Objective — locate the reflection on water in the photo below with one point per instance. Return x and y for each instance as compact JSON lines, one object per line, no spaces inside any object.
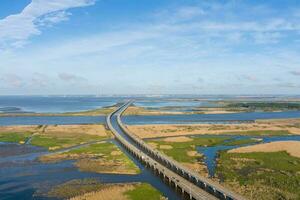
{"x":211,"y":153}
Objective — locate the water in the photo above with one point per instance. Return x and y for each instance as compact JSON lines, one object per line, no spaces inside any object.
{"x":208,"y":118}
{"x":140,"y":120}
{"x":22,"y":176}
{"x":54,"y":104}
{"x":51,"y":120}
{"x":156,"y":104}
{"x":211,"y":153}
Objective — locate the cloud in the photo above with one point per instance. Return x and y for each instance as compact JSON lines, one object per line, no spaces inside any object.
{"x":70,"y":77}
{"x":20,"y":27}
{"x":295,"y":73}
{"x":40,"y":80}
{"x":12,"y":80}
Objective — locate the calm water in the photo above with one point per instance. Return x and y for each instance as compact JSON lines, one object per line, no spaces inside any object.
{"x":23,"y":177}
{"x":54,"y":104}
{"x":211,"y":153}
{"x":163,"y":119}
{"x":51,"y":120}
{"x":208,"y":118}
{"x":60,"y":104}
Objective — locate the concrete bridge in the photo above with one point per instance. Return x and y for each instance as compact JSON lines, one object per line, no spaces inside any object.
{"x":190,"y":184}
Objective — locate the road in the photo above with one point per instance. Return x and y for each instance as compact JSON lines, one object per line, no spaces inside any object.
{"x":188,"y":183}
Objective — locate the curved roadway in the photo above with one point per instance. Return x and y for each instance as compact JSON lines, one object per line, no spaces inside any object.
{"x":188,"y":182}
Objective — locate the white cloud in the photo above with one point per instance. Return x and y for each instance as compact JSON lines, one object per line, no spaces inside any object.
{"x":15,"y":29}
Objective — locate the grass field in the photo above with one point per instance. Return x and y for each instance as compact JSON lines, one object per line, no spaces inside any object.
{"x":54,"y":142}
{"x":144,"y":191}
{"x":261,"y":175}
{"x":54,"y":137}
{"x":20,"y":137}
{"x":180,"y":150}
{"x":241,"y":142}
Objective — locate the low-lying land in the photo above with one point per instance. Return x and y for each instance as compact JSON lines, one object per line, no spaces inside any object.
{"x":102,"y":157}
{"x":183,"y":149}
{"x":54,"y":137}
{"x":291,"y":147}
{"x":260,"y":127}
{"x":90,"y":189}
{"x":264,"y":106}
{"x":262,"y":174}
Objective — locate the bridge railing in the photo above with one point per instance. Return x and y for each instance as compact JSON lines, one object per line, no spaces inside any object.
{"x":211,"y":186}
{"x":173,"y":178}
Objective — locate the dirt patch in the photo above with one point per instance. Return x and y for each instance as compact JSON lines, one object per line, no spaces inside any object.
{"x":291,"y":147}
{"x":165,"y":146}
{"x":178,"y":139}
{"x":192,"y":153}
{"x":197,"y":167}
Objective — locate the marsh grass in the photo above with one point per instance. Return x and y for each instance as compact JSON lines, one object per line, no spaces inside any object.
{"x":179,"y":150}
{"x":261,"y":175}
{"x":20,"y":137}
{"x":74,"y":188}
{"x":61,"y":140}
{"x":144,"y":191}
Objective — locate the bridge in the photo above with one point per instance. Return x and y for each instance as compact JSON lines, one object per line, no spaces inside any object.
{"x":183,"y":180}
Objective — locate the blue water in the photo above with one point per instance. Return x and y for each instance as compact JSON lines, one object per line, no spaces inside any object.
{"x":51,"y":120}
{"x":22,"y":176}
{"x":54,"y":104}
{"x":211,"y":153}
{"x":161,"y":119}
{"x":208,"y":118}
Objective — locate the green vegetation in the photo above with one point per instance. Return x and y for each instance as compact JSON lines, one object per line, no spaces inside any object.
{"x":266,"y":106}
{"x":15,"y":137}
{"x":144,"y":191}
{"x":261,"y":175}
{"x":74,"y":188}
{"x":104,"y":157}
{"x":180,"y":150}
{"x":54,"y":142}
{"x":241,"y":142}
{"x":111,"y":159}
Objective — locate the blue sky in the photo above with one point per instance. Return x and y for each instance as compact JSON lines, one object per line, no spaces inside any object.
{"x":149,"y":47}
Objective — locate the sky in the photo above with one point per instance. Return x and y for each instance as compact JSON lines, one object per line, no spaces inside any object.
{"x":107,"y":47}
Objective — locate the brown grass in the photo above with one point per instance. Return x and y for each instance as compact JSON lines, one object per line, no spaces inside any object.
{"x":153,"y":131}
{"x":4,"y":129}
{"x":113,"y":192}
{"x":291,"y":147}
{"x":77,"y":129}
{"x":164,"y":146}
{"x":178,"y":139}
